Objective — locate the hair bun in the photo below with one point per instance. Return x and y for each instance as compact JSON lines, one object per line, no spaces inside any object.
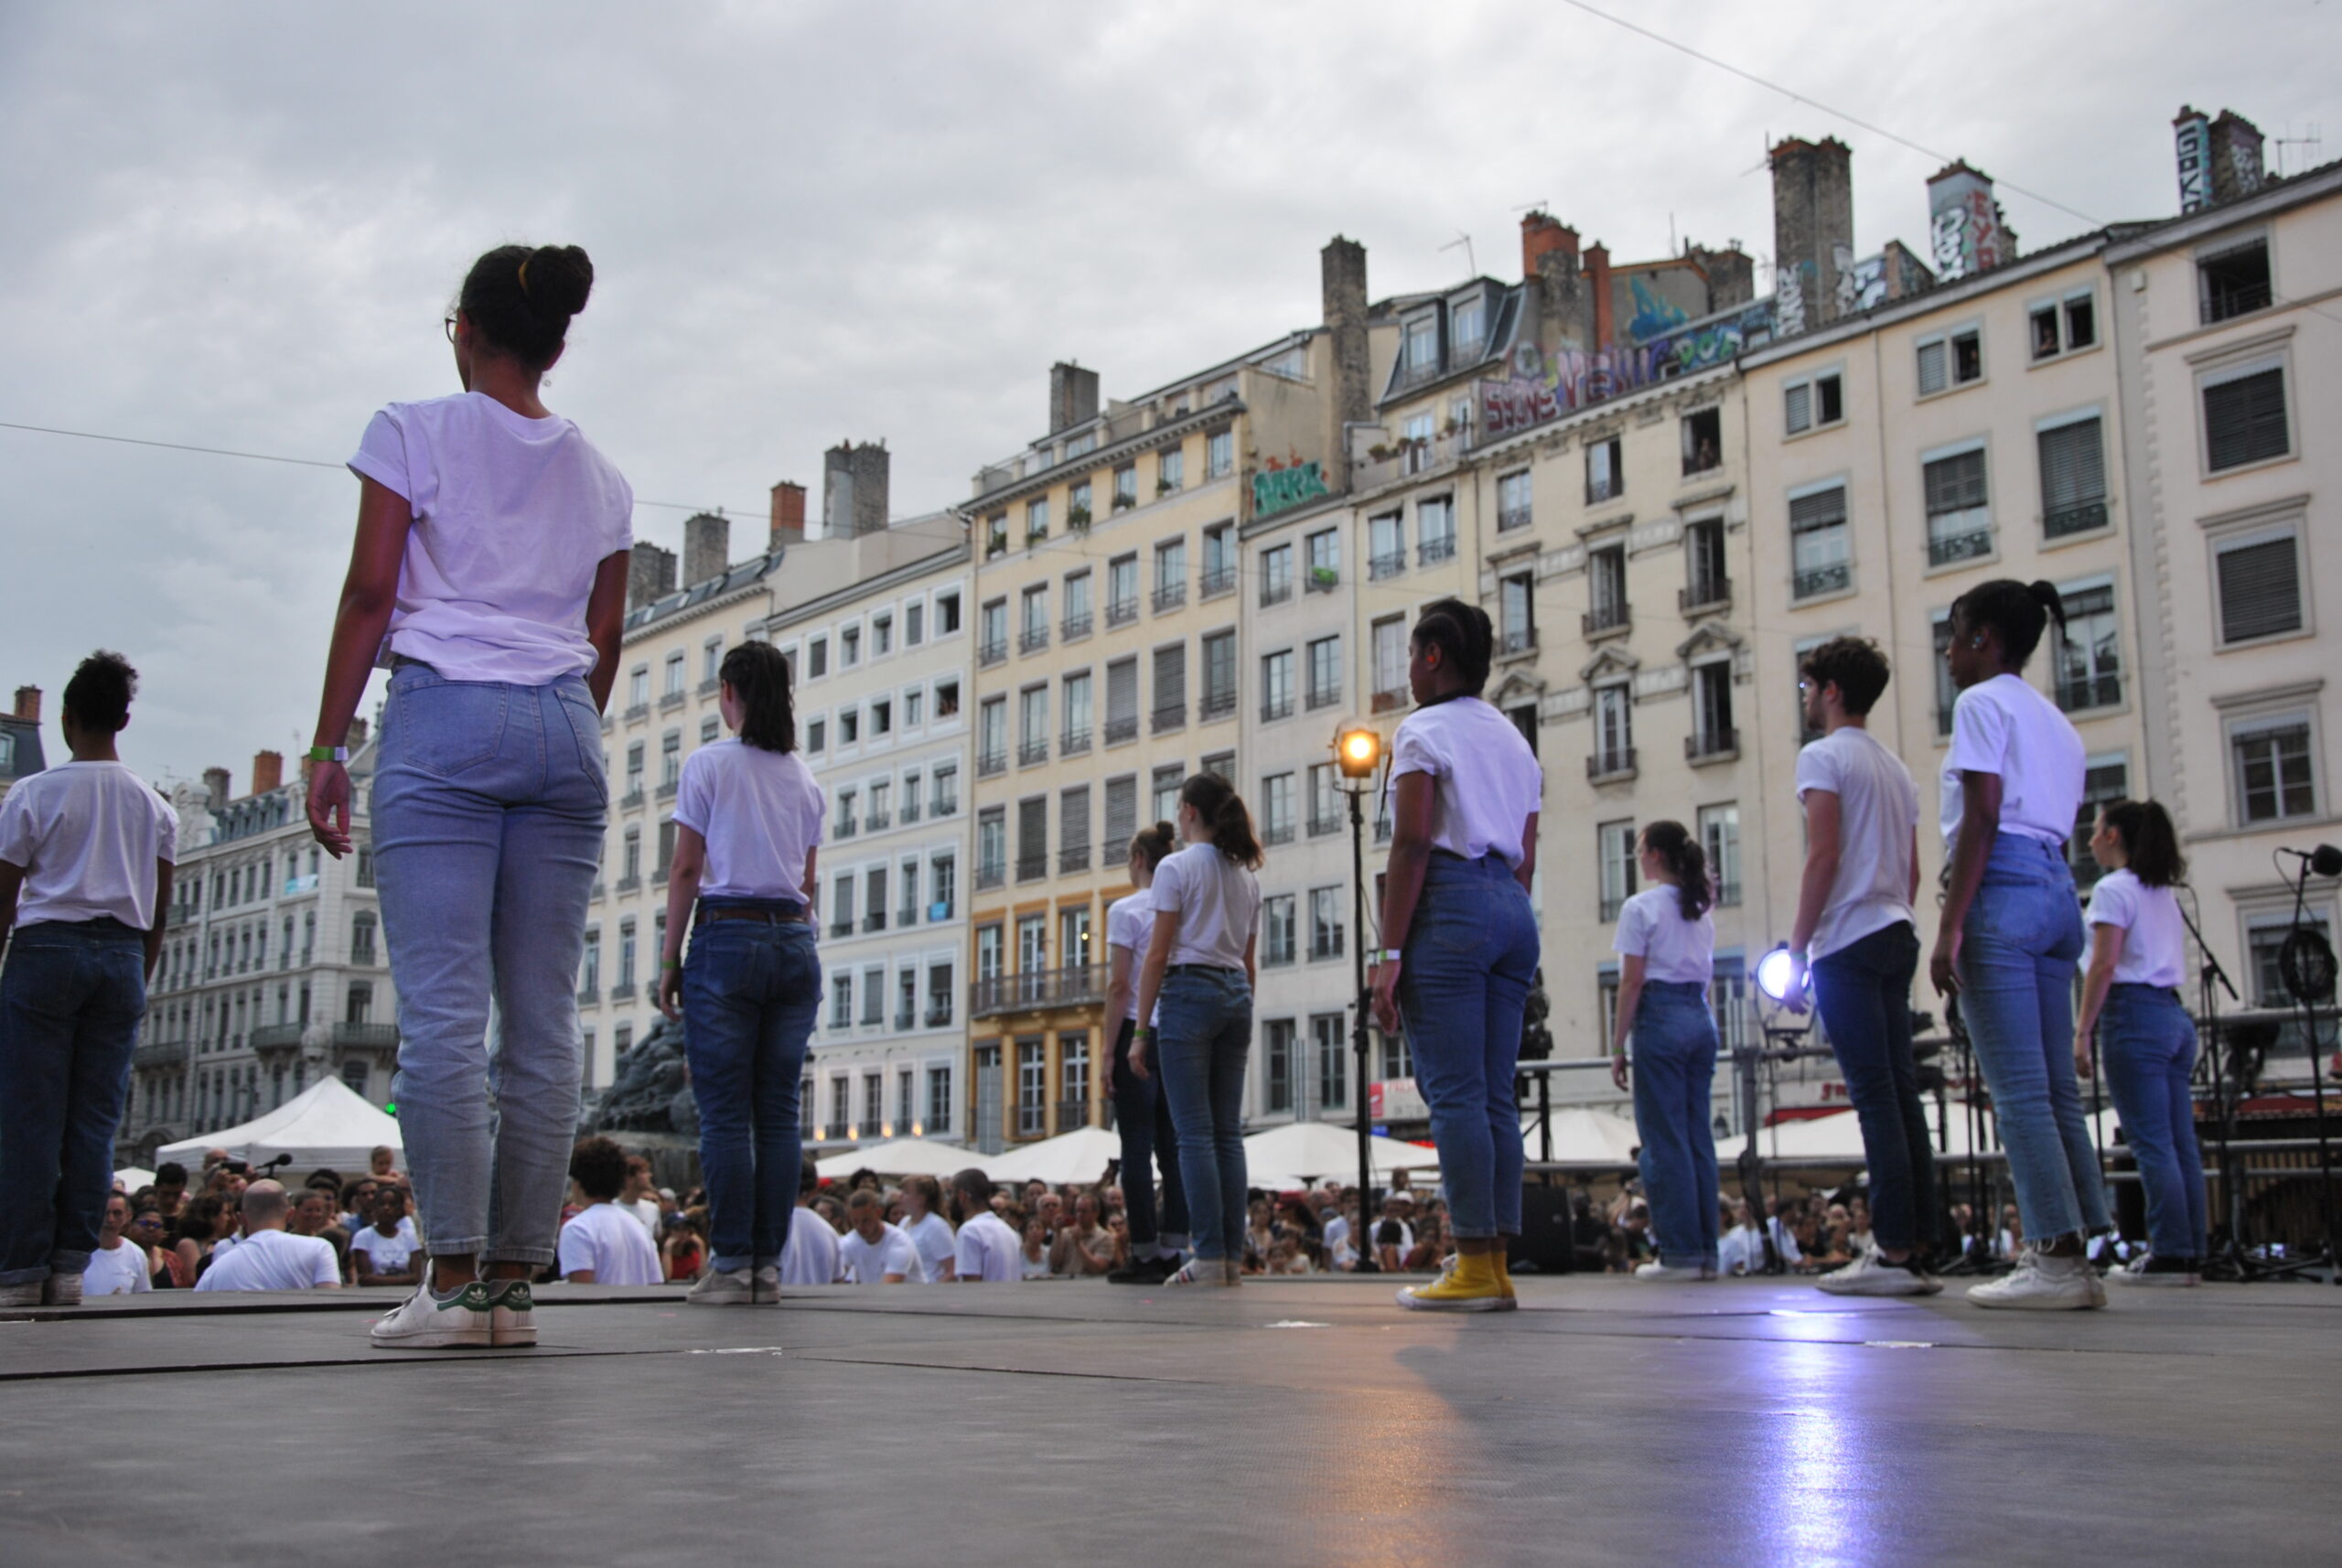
{"x":559,"y":278}
{"x":1166,"y":831}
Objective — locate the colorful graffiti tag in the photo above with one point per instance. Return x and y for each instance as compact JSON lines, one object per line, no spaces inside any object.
{"x":1545,"y":386}
{"x":1276,"y":488}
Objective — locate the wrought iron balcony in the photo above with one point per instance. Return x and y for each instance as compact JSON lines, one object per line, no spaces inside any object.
{"x":992,"y":653}
{"x":1512,"y":517}
{"x":1949,"y":549}
{"x":1276,"y":592}
{"x":1388,"y":565}
{"x":1032,"y":752}
{"x":1033,"y":640}
{"x":1432,"y":550}
{"x":1072,"y":987}
{"x":1121,"y":612}
{"x":1032,"y":868}
{"x":1119,"y":730}
{"x":1278,"y":707}
{"x":1704,"y":593}
{"x":1074,"y":743}
{"x":1170,"y":717}
{"x":1709,"y":745}
{"x":1170,"y":595}
{"x":2072,"y":520}
{"x":1076,"y":627}
{"x":1822,"y":580}
{"x":1609,"y":767}
{"x":1604,"y":620}
{"x":1216,"y":581}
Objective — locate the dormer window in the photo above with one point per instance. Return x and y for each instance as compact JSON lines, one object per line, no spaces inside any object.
{"x":1423,"y":346}
{"x":1467,"y":329}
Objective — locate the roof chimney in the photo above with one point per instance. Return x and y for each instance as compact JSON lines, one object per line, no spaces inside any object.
{"x":28,"y":703}
{"x":1597,"y":283}
{"x":268,"y":771}
{"x":357,"y":736}
{"x":1341,"y":275}
{"x":1073,"y":396}
{"x":2235,"y":156}
{"x":854,"y":489}
{"x":707,"y":546}
{"x":1541,"y":233}
{"x":215,"y":788}
{"x":1965,"y":235}
{"x":650,"y":575}
{"x":788,"y":515}
{"x":1813,"y":226}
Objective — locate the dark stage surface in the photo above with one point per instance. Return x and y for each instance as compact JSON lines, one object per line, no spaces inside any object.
{"x":1307,"y":1422}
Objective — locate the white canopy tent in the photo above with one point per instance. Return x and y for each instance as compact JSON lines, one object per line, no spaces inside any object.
{"x":132,"y":1178}
{"x":1581,"y":1133}
{"x":1837,"y":1139}
{"x":1301,"y":1152}
{"x":1076,"y":1156}
{"x":900,"y":1157}
{"x":327,"y":1125}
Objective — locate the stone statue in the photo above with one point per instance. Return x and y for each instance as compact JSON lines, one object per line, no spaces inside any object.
{"x":651,"y":1092}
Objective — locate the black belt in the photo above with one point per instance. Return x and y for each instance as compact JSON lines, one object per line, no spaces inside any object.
{"x":788,"y":914}
{"x":1201,"y":969}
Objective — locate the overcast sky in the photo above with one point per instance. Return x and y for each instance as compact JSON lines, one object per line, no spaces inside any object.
{"x":239,"y":225}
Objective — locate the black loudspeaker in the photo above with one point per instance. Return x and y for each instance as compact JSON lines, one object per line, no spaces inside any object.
{"x":1544,"y":1243}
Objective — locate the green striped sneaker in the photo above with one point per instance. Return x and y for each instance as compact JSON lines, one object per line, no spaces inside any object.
{"x":426,"y":1322}
{"x":513,"y":1313}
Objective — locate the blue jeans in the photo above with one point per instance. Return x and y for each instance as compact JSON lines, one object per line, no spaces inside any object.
{"x":1142,"y":1117}
{"x":1201,"y":1045}
{"x":490,"y":806}
{"x":70,"y":998}
{"x":1675,"y":1070}
{"x":1864,"y":994}
{"x":2018,"y":949}
{"x":2146,"y":1043}
{"x":750,"y":993}
{"x":1464,"y":981}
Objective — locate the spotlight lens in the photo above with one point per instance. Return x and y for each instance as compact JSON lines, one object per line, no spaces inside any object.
{"x":1775,"y":973}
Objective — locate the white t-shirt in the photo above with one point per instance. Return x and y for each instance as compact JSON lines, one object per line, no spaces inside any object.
{"x":1742,"y":1251}
{"x":613,"y":1244}
{"x":2154,"y":939}
{"x":1217,"y":901}
{"x":1487,"y":779}
{"x":1878,"y":811}
{"x":989,"y":1250}
{"x":759,"y":812}
{"x":865,"y":1262}
{"x":1129,"y":923}
{"x":2003,"y":726}
{"x":809,"y":1256}
{"x":88,"y":835}
{"x":388,"y":1254}
{"x":272,"y":1259}
{"x":1652,"y":927}
{"x":121,"y":1270}
{"x":933,"y":1239}
{"x":513,"y":518}
{"x":645,"y":1209}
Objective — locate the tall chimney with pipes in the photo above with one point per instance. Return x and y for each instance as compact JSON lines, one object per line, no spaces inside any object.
{"x":1073,"y":396}
{"x":788,"y":515}
{"x":1813,"y":230}
{"x":1341,"y":275}
{"x":707,"y":546}
{"x":854,"y":490}
{"x":1549,"y":261}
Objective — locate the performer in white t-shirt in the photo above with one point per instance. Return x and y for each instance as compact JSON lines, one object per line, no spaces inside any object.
{"x":1666,"y":944}
{"x":810,"y":1255}
{"x":988,"y":1249}
{"x":603,"y":1245}
{"x":1459,"y":940}
{"x":931,"y":1233}
{"x":2146,"y":1039}
{"x":1142,"y":1111}
{"x":873,"y":1252}
{"x":270,"y":1257}
{"x":489,"y":575}
{"x":2012,"y":931}
{"x":117,"y":1265}
{"x":1855,"y":928}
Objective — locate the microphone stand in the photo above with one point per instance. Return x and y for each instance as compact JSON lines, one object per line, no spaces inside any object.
{"x":2229,"y":1255}
{"x":2308,"y":1006}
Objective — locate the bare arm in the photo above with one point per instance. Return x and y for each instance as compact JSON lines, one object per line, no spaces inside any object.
{"x":1980,"y":824}
{"x":12,"y":881}
{"x":1527,"y":870}
{"x":1630,"y":996}
{"x":812,"y":887}
{"x":1823,"y":857}
{"x":1150,"y":979}
{"x":163,"y":870}
{"x":604,"y":623}
{"x":2105,"y":952}
{"x":1119,"y":981}
{"x":1412,"y":796}
{"x":369,"y":593}
{"x":683,"y":891}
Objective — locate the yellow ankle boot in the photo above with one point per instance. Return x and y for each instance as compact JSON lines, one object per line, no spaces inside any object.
{"x":1471,"y":1283}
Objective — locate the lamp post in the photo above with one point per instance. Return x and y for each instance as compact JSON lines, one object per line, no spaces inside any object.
{"x":1357,"y":751}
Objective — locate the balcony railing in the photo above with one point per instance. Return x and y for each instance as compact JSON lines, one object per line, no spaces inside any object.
{"x":2076,"y":695}
{"x":1170,"y":595}
{"x":904,"y":1017}
{"x":910,"y":812}
{"x":1617,"y":763}
{"x":991,"y":653}
{"x":1946,"y":549}
{"x":1325,"y":697}
{"x":946,"y":805}
{"x":1600,"y":490}
{"x":1822,"y":580}
{"x":631,"y":801}
{"x":635,"y":711}
{"x":875,"y":922}
{"x":843,"y":926}
{"x":991,"y":762}
{"x":877,"y":821}
{"x":1276,"y":592}
{"x":1279,"y":707}
{"x":1216,"y":581}
{"x":1388,"y":565}
{"x":1073,"y":1114}
{"x":709,"y":687}
{"x":1031,"y":752}
{"x":629,"y":883}
{"x":1075,"y":626}
{"x":1032,"y":639}
{"x":1324,"y":579}
{"x":1071,"y":987}
{"x":1521,"y":640}
{"x":2072,"y":520}
{"x":1727,"y":894}
{"x":669,"y":701}
{"x":939,"y":1015}
{"x":1432,"y":550}
{"x":1326,"y":944}
{"x":667,"y":791}
{"x":1074,"y":743}
{"x":1277,"y":833}
{"x":1391,"y":702}
{"x":847,"y":827}
{"x":364,"y":1037}
{"x":990,"y":874}
{"x":1512,"y":517}
{"x":1032,"y":868}
{"x":1320,"y":824}
{"x":1218,"y":704}
{"x":165,"y":1053}
{"x":1704,"y":593}
{"x":1073,"y":857}
{"x":1119,"y":730}
{"x":907,"y":917}
{"x":590,"y":995}
{"x":1121,"y":612}
{"x":1711,"y":744}
{"x":1170,"y":716}
{"x":1604,"y":620}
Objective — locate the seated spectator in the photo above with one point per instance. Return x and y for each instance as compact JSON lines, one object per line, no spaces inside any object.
{"x":358,"y":1205}
{"x":1587,"y":1235}
{"x":874,"y":1253}
{"x":1431,"y":1247}
{"x":810,"y":1254}
{"x":388,"y":1252}
{"x":1858,"y":1233}
{"x":383,"y":1162}
{"x":148,"y":1231}
{"x":1742,"y":1249}
{"x":170,"y":1188}
{"x":118,"y":1265}
{"x":269,"y":1257}
{"x":1634,"y":1244}
{"x":206,"y":1225}
{"x":988,"y":1247}
{"x":1083,"y":1246}
{"x":1034,"y":1262}
{"x":313,"y":1215}
{"x":1785,"y":1243}
{"x":604,"y":1244}
{"x":685,"y":1252}
{"x":641,"y":1196}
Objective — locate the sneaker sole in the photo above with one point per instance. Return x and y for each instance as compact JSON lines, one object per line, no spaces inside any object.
{"x":2062,"y":1303}
{"x":2153,"y":1281}
{"x":459,"y":1339}
{"x":1467,"y":1304}
{"x":517,"y":1336}
{"x":1882,"y":1288}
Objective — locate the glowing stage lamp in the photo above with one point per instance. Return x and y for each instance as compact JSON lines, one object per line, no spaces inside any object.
{"x":1357,"y":751}
{"x":1776,"y":975}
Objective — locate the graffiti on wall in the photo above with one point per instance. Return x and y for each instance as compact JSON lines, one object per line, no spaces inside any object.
{"x":1861,"y":284}
{"x":1965,"y":229}
{"x":1545,"y":386}
{"x":1280,"y":485}
{"x":1653,"y":316}
{"x":1789,"y":299}
{"x":2194,"y":136}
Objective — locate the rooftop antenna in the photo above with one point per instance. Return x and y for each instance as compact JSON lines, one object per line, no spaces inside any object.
{"x":2309,"y":139}
{"x":1463,"y":240}
{"x":1540,"y":205}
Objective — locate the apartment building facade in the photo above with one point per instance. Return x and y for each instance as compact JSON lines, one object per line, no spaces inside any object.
{"x":20,"y":747}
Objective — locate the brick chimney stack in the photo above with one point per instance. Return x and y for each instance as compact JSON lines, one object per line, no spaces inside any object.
{"x":854,"y":490}
{"x":1341,"y":272}
{"x":707,"y":546}
{"x":28,"y":703}
{"x":268,"y":771}
{"x":215,"y":788}
{"x":650,"y":575}
{"x":1813,"y":225}
{"x":357,"y":736}
{"x":1540,"y":233}
{"x":788,"y":515}
{"x":1073,"y":396}
{"x":1597,"y":284}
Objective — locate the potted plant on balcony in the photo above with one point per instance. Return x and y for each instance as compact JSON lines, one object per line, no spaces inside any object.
{"x":1035,"y":537}
{"x":1324,"y":576}
{"x":1125,"y":500}
{"x":1077,"y":518}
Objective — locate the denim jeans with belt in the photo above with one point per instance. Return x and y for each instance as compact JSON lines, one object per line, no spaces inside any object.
{"x":751,"y":989}
{"x":70,"y":997}
{"x":1202,"y":1042}
{"x":1142,"y":1117}
{"x":490,"y":805}
{"x":1463,"y":983}
{"x":1864,"y":994}
{"x":2017,"y":952}
{"x":1675,"y":1071}
{"x":2146,"y":1043}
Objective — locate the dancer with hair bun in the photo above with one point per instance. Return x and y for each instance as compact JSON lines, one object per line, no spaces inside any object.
{"x":1459,"y":942}
{"x":1667,"y":946}
{"x":1141,"y":1111}
{"x":2012,"y":930}
{"x":489,"y":574}
{"x":2138,"y":957}
{"x":1199,"y":966}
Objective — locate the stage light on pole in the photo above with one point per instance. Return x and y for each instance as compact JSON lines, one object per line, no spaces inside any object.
{"x":1777,"y":973}
{"x":1357,"y":751}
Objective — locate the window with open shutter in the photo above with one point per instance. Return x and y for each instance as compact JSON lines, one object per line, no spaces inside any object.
{"x":1073,"y":828}
{"x":2073,"y":479}
{"x":1797,"y":405}
{"x":1960,"y":523}
{"x":1170,"y":685}
{"x":1121,"y":700}
{"x":2244,"y":419}
{"x":1121,"y":817}
{"x":1934,"y":367}
{"x":2260,"y":587}
{"x":1818,"y":545}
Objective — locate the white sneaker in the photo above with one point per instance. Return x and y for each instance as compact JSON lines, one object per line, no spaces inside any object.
{"x":724,"y":1288}
{"x":1205,"y":1271}
{"x":767,"y":1286}
{"x":2138,"y":1273}
{"x":512,"y":1314}
{"x":1656,"y":1270}
{"x":426,"y":1322}
{"x":2040,"y":1283}
{"x":22,"y":1295}
{"x":1872,"y":1274}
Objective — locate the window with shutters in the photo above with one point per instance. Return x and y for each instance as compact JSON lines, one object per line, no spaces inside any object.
{"x":1952,"y":360}
{"x":1078,"y":718}
{"x":1960,"y":516}
{"x":1219,"y":764}
{"x":1614,"y":732}
{"x":2059,"y":327}
{"x":1386,"y":546}
{"x":1606,"y":475}
{"x":1220,"y":674}
{"x":1170,"y":575}
{"x":1170,"y":687}
{"x":1276,"y":1045}
{"x":1605,"y":593}
{"x":2258,"y":583}
{"x":991,"y":736}
{"x":1333,"y":1053}
{"x":1435,"y":530}
{"x":1719,"y":828}
{"x":1121,"y":700}
{"x":1821,"y":555}
{"x":1277,"y":809}
{"x":992,"y":847}
{"x":1073,"y":831}
{"x":1812,"y":403}
{"x":1615,"y":852}
{"x":1121,"y":590}
{"x":1326,"y":922}
{"x":1033,"y":838}
{"x":2244,"y":417}
{"x":2073,"y":477}
{"x":2271,"y":766}
{"x":1122,"y":820}
{"x":1391,"y":690}
{"x":2089,"y":660}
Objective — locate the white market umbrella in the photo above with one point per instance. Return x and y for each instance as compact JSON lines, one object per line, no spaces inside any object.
{"x":327,"y":1125}
{"x":132,"y":1178}
{"x":1584,"y":1134}
{"x":1837,"y":1138}
{"x":1079,"y":1155}
{"x":901,"y":1156}
{"x":1301,"y":1151}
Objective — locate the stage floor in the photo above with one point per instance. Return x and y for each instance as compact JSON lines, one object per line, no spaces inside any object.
{"x":1304,"y":1422}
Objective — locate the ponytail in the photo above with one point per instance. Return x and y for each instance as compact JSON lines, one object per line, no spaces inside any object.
{"x":1155,"y":843}
{"x":2017,"y":613}
{"x":2150,"y":843}
{"x":1222,"y":810}
{"x":758,"y":676}
{"x":1688,"y":861}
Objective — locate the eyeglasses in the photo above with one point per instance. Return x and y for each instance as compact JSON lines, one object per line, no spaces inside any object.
{"x":451,"y":327}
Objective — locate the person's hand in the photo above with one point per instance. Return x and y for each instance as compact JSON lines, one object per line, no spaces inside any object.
{"x":2081,"y":1047}
{"x":671,"y":994}
{"x":1943,"y":964}
{"x":330,"y":807}
{"x":1385,"y":988}
{"x":1799,"y":989}
{"x":1619,"y":1069}
{"x":1138,"y":1054}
